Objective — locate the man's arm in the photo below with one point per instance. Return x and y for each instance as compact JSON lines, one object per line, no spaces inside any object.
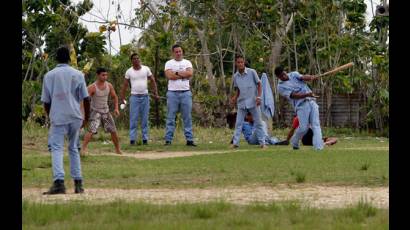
{"x":171,"y":75}
{"x":187,"y":74}
{"x":258,"y":98}
{"x":301,"y":95}
{"x":290,"y":134}
{"x":125,"y":86}
{"x":91,"y":90}
{"x":86,"y":102}
{"x":154,"y":86}
{"x":115,"y":97}
{"x":235,"y":97}
{"x":308,"y":77}
{"x":47,"y":107}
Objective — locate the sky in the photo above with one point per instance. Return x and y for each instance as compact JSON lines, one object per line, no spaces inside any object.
{"x":104,"y":9}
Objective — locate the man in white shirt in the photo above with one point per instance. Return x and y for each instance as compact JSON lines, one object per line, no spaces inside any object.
{"x":178,"y":71}
{"x":137,"y":76}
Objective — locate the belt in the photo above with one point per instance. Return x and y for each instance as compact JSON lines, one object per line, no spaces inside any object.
{"x":179,"y":91}
{"x":139,"y":95}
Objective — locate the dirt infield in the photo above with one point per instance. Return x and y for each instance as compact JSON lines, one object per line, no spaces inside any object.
{"x":309,"y":194}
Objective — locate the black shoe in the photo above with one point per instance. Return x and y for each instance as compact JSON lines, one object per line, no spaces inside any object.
{"x":285,"y":142}
{"x":167,"y":142}
{"x":57,"y":188}
{"x":190,"y":143}
{"x":78,"y":186}
{"x":144,"y":142}
{"x":132,"y":142}
{"x":295,"y":148}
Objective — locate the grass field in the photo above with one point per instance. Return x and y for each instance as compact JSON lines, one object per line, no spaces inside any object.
{"x":215,"y":215}
{"x":356,"y":160}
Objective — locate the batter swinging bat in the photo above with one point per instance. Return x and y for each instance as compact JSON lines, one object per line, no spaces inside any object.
{"x":340,"y":68}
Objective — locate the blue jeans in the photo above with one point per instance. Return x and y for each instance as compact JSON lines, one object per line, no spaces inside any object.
{"x":308,"y":114}
{"x":253,"y":140}
{"x":56,"y":136}
{"x":179,"y":101}
{"x":139,"y":107}
{"x":257,"y":120}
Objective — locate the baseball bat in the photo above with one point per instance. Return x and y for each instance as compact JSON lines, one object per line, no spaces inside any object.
{"x":337,"y":69}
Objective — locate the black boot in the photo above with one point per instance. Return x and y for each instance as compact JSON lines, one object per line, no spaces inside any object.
{"x":167,"y":143}
{"x":78,"y":186}
{"x":190,"y":143}
{"x":285,"y":142}
{"x":57,"y":188}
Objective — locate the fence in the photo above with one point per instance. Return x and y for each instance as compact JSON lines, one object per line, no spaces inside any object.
{"x":345,"y":110}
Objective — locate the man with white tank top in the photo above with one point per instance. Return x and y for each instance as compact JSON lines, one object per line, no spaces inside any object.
{"x":178,"y":71}
{"x":100,"y":112}
{"x":137,"y":76}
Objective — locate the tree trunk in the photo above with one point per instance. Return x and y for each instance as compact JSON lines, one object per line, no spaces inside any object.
{"x":294,"y":47}
{"x":30,"y":63}
{"x":156,"y":80}
{"x":274,"y":58}
{"x":207,"y":61}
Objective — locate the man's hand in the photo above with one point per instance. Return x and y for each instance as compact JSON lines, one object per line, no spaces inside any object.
{"x":116,"y":112}
{"x":314,"y":77}
{"x":311,"y":94}
{"x":258,"y":101}
{"x":156,"y":96}
{"x":85,"y":122}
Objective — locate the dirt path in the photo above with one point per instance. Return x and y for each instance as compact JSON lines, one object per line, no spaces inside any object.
{"x":165,"y":154}
{"x":154,"y":155}
{"x":312,"y":195}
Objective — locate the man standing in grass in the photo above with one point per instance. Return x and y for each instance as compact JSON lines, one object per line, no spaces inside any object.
{"x":293,"y":87}
{"x":100,"y":113}
{"x":63,"y":89}
{"x":178,"y":71}
{"x":137,"y":76}
{"x":248,"y":98}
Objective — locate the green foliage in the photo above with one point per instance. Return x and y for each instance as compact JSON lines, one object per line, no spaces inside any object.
{"x":323,"y":35}
{"x":93,"y":45}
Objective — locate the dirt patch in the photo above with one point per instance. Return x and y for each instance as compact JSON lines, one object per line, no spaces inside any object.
{"x":311,"y":195}
{"x":160,"y":155}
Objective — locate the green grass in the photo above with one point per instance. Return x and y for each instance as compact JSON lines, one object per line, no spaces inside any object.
{"x":265,"y":167}
{"x":355,"y":160}
{"x":359,"y":161}
{"x":214,"y":215}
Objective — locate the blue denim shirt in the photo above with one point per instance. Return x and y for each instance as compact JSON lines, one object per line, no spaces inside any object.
{"x":247,"y":84}
{"x":64,"y":87}
{"x":296,"y":85}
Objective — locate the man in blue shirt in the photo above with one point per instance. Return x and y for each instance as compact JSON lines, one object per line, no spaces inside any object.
{"x":293,"y":87}
{"x":248,"y":130}
{"x":63,"y":89}
{"x":248,"y":98}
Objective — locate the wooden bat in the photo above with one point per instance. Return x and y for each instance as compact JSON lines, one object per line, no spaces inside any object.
{"x":337,"y":69}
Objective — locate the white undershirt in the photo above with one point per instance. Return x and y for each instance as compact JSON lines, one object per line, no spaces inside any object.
{"x":175,"y":66}
{"x":138,"y":79}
